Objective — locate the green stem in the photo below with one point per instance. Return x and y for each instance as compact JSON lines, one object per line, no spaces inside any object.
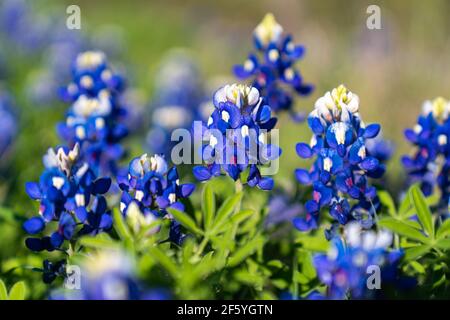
{"x":238,"y":186}
{"x":202,"y":247}
{"x":294,"y":269}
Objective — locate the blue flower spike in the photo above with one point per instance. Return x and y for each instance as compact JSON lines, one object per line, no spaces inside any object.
{"x":236,"y":135}
{"x":342,"y":165}
{"x":70,"y":194}
{"x":429,"y":162}
{"x":272,"y":68}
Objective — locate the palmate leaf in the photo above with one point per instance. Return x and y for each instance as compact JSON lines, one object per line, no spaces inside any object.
{"x":422,"y":210}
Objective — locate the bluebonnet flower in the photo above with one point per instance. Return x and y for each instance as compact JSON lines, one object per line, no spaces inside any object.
{"x":236,"y":132}
{"x":95,"y":117}
{"x":272,"y":68}
{"x":25,"y":31}
{"x":178,"y":95}
{"x":109,"y":275}
{"x":342,"y":166}
{"x":344,"y":270}
{"x":149,"y":189}
{"x":70,"y":195}
{"x":430,"y":162}
{"x":8,"y":123}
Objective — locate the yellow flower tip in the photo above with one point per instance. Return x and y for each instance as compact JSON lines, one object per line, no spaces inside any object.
{"x":269,"y":20}
{"x":268,"y":30}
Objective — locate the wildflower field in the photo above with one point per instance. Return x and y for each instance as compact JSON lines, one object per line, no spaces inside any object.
{"x":164,"y":150}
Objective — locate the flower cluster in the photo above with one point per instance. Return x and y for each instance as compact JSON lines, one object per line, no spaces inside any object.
{"x":340,"y":172}
{"x":347,"y":266}
{"x":70,"y":194}
{"x":95,"y":117}
{"x":149,"y":189}
{"x":236,"y":133}
{"x":430,"y":163}
{"x":109,"y":275}
{"x":8,"y":123}
{"x":274,"y":73}
{"x":178,"y":96}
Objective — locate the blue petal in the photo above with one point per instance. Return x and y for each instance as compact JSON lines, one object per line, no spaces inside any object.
{"x":303,"y":176}
{"x":106,"y":222}
{"x":33,"y":190}
{"x":372,"y":131}
{"x":369,"y":163}
{"x":266,"y":184}
{"x":315,"y":125}
{"x":201,"y":173}
{"x":81,"y":213}
{"x":101,"y":186}
{"x":56,"y":239}
{"x":410,"y":135}
{"x":34,"y":244}
{"x":187,"y":189}
{"x":34,"y":225}
{"x":303,"y":150}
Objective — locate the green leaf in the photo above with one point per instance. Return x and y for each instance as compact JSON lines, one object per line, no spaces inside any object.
{"x":242,"y":215}
{"x":246,"y":250}
{"x":208,"y":206}
{"x":387,"y":201}
{"x":415,"y":252}
{"x":417,"y":266}
{"x":443,"y":244}
{"x":444,"y":229}
{"x":225,"y":210}
{"x":165,"y":261}
{"x":422,"y":210}
{"x":3,"y":291}
{"x":98,"y":242}
{"x":18,"y":291}
{"x":120,"y":226}
{"x":403,"y":229}
{"x":185,"y":220}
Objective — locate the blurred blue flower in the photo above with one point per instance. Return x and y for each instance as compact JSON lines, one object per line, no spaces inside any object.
{"x":178,"y":95}
{"x":272,"y":69}
{"x":95,"y":119}
{"x":237,"y":131}
{"x":281,"y":209}
{"x":345,"y":269}
{"x":110,"y":275}
{"x":342,"y":166}
{"x":24,"y":30}
{"x":149,"y":189}
{"x":70,"y":194}
{"x":8,"y":123}
{"x":429,"y":163}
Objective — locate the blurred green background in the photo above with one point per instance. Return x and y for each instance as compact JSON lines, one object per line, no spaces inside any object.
{"x":393,"y":70}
